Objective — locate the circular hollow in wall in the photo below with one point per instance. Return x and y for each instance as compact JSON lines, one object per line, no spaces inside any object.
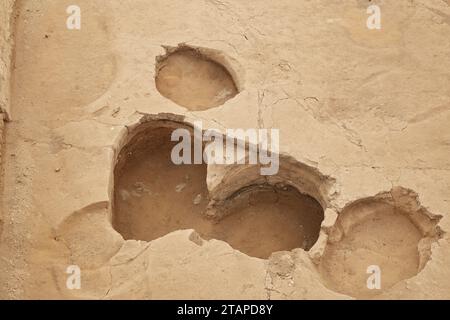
{"x":368,"y":234}
{"x":263,"y":219}
{"x":154,"y":197}
{"x":192,"y":80}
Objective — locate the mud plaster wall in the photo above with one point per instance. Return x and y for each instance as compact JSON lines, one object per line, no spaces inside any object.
{"x":1,"y":143}
{"x":6,"y":8}
{"x":323,"y":87}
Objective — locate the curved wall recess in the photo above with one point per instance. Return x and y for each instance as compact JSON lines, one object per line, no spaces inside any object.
{"x":387,"y":237}
{"x":195,"y":78}
{"x":153,"y":197}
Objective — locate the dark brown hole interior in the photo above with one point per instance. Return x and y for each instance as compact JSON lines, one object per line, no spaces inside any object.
{"x":154,"y":197}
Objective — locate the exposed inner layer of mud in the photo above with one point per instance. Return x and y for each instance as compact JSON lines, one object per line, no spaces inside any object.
{"x":264,"y":219}
{"x":154,"y":197}
{"x":192,"y":80}
{"x":375,"y":233}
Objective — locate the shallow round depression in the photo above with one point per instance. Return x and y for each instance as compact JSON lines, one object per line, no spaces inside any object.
{"x":263,"y":219}
{"x":153,"y":197}
{"x":374,"y":233}
{"x":194,"y":81}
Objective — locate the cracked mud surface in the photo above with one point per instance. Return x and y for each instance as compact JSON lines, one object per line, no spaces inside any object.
{"x":360,"y":113}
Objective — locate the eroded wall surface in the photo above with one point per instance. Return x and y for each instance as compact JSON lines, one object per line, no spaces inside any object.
{"x":368,"y":110}
{"x":6,"y":10}
{"x":6,"y":16}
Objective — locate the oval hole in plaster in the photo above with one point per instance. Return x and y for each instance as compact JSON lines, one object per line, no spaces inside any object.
{"x":375,"y":233}
{"x":191,"y":79}
{"x":262,"y":219}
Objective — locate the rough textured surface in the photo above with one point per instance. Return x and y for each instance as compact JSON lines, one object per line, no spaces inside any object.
{"x":1,"y":172}
{"x":390,"y":231}
{"x":6,"y":16}
{"x":360,"y":112}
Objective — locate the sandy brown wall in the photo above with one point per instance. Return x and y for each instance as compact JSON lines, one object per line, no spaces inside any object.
{"x":6,"y":16}
{"x":6,"y":9}
{"x":1,"y":142}
{"x":1,"y":171}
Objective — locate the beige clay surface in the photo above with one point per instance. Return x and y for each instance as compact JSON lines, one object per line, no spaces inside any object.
{"x":364,"y":149}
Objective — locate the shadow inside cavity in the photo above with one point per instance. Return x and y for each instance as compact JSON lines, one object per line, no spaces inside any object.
{"x":192,"y":80}
{"x":153,"y":197}
{"x":371,"y":233}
